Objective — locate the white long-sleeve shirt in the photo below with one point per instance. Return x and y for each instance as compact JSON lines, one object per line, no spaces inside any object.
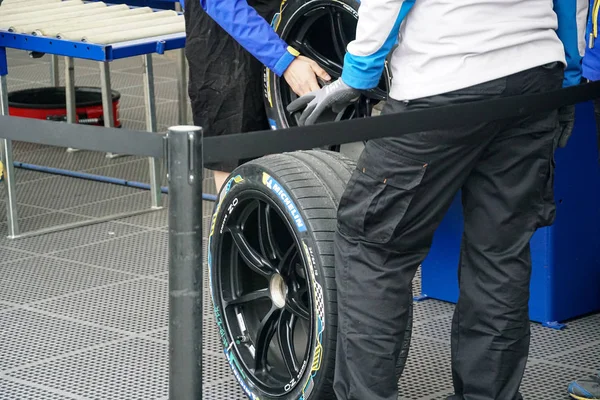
{"x":446,"y":45}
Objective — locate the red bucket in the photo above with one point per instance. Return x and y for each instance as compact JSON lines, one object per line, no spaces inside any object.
{"x":49,"y":103}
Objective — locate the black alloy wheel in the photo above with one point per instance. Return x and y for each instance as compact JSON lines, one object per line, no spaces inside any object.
{"x":265,"y":293}
{"x":320,"y":30}
{"x":272,"y":274}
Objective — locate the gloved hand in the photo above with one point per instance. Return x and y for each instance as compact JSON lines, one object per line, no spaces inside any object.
{"x":566,"y":120}
{"x":336,"y":95}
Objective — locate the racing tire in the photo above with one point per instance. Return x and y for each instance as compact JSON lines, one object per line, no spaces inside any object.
{"x":272,"y":277}
{"x":320,"y":30}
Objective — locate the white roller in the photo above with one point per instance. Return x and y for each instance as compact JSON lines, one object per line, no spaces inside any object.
{"x":121,"y":27}
{"x":10,"y":20}
{"x":117,"y":37}
{"x":88,"y":9}
{"x":36,"y":9}
{"x":93,"y":22}
{"x":6,"y":4}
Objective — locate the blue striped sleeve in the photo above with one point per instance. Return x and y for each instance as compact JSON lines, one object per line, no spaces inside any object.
{"x":252,"y":32}
{"x":571,"y":16}
{"x":377,"y":31}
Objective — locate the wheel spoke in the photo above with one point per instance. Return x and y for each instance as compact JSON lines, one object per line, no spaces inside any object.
{"x":255,"y":261}
{"x":285,"y":264}
{"x":267,"y":237}
{"x":334,"y":69}
{"x":285,"y":330}
{"x":338,"y":42}
{"x":248,"y":297}
{"x":295,"y":306}
{"x":376,"y":93}
{"x":264,"y":335}
{"x":341,"y":31}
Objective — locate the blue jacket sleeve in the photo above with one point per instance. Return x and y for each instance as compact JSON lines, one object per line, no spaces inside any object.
{"x":376,"y":34}
{"x":571,"y":16}
{"x":251,"y":31}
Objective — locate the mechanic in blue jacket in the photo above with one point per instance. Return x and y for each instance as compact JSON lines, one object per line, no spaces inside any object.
{"x":226,"y":42}
{"x":589,"y":388}
{"x":448,"y":52}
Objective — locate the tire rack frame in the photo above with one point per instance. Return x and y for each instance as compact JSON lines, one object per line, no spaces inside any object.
{"x":103,"y":54}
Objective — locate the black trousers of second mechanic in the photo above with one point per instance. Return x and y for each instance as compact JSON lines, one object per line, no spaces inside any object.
{"x":395,"y":200}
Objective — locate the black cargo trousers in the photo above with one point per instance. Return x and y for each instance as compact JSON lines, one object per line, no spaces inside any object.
{"x":395,"y":200}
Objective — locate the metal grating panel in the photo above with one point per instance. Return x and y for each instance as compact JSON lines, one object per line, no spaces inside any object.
{"x":24,"y":147}
{"x":163,"y":334}
{"x":162,"y":276}
{"x":14,"y":62}
{"x":427,"y":310}
{"x":135,"y":306}
{"x":164,"y":90}
{"x":166,"y":112}
{"x":130,"y":369}
{"x":546,"y":342}
{"x":22,"y":176}
{"x":547,"y":382}
{"x":41,"y":278}
{"x":135,"y":125}
{"x":28,"y":337}
{"x":63,"y":192}
{"x":41,"y":73}
{"x":16,"y":390}
{"x":17,"y":84}
{"x":4,"y":306}
{"x":136,"y":170}
{"x":225,"y":390}
{"x":68,"y":239}
{"x":42,"y":221}
{"x":162,"y":68}
{"x":427,"y":370}
{"x":437,"y":328}
{"x":216,"y":369}
{"x":417,"y":283}
{"x":139,"y":201}
{"x":129,"y":103}
{"x":58,"y":157}
{"x":586,"y":357}
{"x":7,"y":255}
{"x":129,"y":254}
{"x":155,"y":220}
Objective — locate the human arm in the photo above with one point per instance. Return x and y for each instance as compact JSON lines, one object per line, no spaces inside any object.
{"x":572,"y":16}
{"x":376,"y":34}
{"x":255,"y":35}
{"x":252,"y":32}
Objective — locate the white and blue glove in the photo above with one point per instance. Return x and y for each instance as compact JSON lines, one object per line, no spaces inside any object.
{"x":336,"y":95}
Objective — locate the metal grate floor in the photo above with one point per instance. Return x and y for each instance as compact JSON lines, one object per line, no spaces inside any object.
{"x":83,"y":313}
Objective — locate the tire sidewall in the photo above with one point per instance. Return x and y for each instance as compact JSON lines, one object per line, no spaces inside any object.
{"x":253,"y":176}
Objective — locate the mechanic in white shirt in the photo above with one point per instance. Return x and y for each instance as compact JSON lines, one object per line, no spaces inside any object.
{"x":448,"y":52}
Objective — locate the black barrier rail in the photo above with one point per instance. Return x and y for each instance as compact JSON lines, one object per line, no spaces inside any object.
{"x":186,"y":151}
{"x":255,"y":144}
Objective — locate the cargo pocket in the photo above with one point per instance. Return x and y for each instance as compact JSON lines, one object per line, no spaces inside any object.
{"x":378,"y":195}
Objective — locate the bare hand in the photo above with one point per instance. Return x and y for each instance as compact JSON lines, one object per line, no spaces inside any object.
{"x":302,"y":74}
